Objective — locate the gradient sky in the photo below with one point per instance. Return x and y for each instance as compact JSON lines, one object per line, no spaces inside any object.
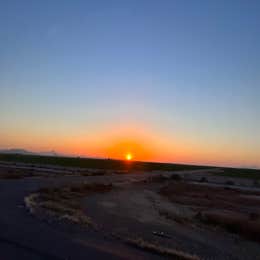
{"x":174,"y":81}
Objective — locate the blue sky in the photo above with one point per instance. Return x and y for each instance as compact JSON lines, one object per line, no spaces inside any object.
{"x":187,"y":69}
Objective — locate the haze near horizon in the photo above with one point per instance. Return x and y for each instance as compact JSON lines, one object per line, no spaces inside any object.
{"x":170,"y":81}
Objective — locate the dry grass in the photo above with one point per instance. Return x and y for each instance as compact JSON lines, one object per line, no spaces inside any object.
{"x":233,"y":222}
{"x":179,"y":218}
{"x":15,"y":173}
{"x":30,"y":202}
{"x":237,"y":211}
{"x":64,"y":202}
{"x":168,"y":252}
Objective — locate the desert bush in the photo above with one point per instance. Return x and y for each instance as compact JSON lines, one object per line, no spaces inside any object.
{"x":234,"y":224}
{"x":253,"y":216}
{"x":199,"y":215}
{"x":256,"y":183}
{"x":173,"y":216}
{"x":230,"y":182}
{"x":157,"y":178}
{"x":176,"y":177}
{"x":101,"y":172}
{"x":203,"y":179}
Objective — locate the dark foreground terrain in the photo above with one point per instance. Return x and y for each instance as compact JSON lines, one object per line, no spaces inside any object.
{"x":66,"y":212}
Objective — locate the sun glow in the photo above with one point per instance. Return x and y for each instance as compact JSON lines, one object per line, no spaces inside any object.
{"x":128,"y":156}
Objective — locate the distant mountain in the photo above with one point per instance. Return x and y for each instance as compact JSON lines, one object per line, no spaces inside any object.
{"x":25,"y":152}
{"x":12,"y":151}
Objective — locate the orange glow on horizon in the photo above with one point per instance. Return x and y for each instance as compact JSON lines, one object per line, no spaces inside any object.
{"x":128,"y":156}
{"x":143,"y":143}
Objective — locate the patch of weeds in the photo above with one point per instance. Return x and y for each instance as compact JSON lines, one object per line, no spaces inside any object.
{"x":158,"y":249}
{"x":253,"y":216}
{"x":64,"y":202}
{"x":203,"y":179}
{"x":176,"y":177}
{"x":173,"y":216}
{"x":230,"y":182}
{"x":256,"y":183}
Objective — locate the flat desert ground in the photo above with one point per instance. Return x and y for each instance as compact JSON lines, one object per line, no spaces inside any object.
{"x":52,"y":212}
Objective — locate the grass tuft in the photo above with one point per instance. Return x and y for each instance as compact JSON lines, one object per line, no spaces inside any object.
{"x":168,"y":252}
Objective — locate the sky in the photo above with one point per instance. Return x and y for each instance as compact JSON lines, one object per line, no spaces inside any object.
{"x":171,"y":81}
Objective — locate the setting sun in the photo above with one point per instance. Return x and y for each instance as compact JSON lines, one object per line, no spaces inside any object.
{"x":128,"y":156}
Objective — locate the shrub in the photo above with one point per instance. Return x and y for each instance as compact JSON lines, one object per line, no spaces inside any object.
{"x":176,"y":177}
{"x":253,"y":216}
{"x":203,"y":179}
{"x":230,"y":182}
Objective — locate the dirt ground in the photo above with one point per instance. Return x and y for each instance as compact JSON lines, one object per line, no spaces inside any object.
{"x":138,"y":212}
{"x":238,"y":211}
{"x":150,"y":215}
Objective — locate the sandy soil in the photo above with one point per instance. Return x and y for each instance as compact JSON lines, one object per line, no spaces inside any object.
{"x":128,"y":217}
{"x":138,"y":212}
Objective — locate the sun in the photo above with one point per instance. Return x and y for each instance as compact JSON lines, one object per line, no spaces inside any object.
{"x":128,"y":156}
